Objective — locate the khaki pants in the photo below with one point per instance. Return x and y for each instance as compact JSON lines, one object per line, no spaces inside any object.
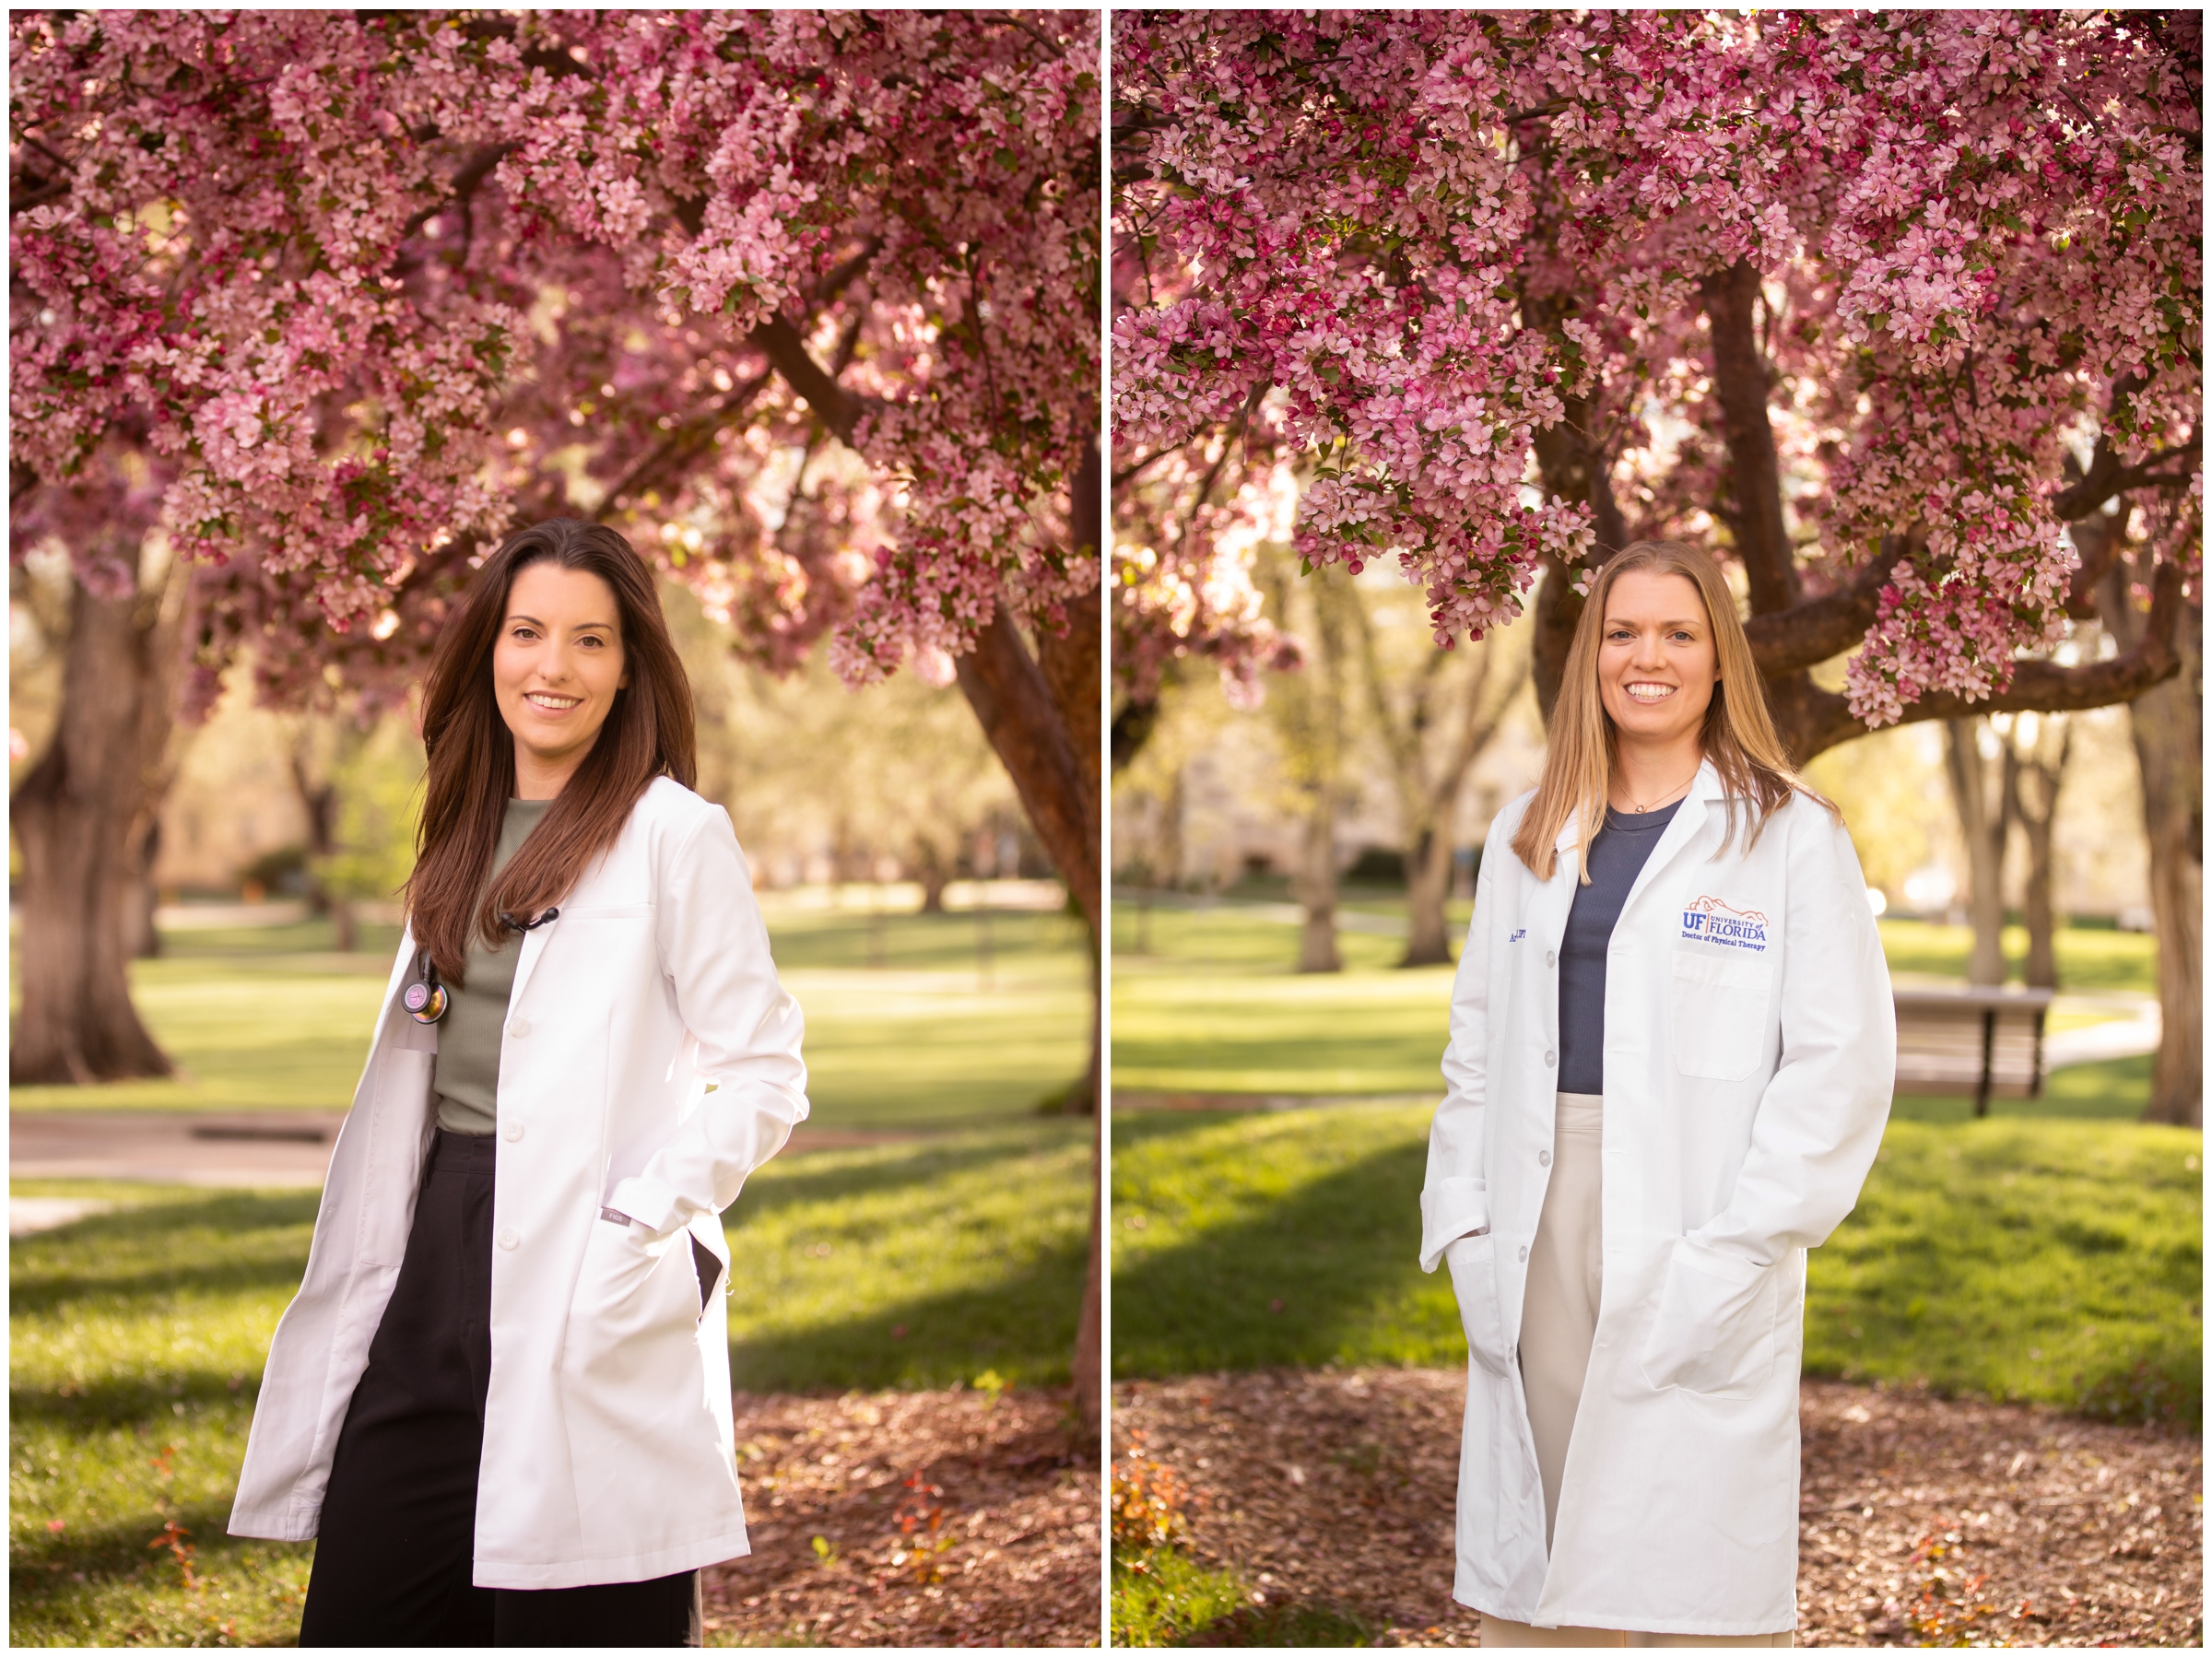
{"x":1558,"y":1324}
{"x":1497,"y":1631}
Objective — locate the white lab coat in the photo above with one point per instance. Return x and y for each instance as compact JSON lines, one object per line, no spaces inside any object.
{"x":1750,"y":1048}
{"x":608,"y":1441}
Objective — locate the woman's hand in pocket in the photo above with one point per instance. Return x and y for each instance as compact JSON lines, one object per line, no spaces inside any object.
{"x":1473,"y":1260}
{"x":1714,"y":1329}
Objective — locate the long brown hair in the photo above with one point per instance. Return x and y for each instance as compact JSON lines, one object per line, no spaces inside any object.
{"x":648,"y":733}
{"x":1738,"y":737}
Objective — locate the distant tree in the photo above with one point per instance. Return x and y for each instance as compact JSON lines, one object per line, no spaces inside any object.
{"x":1430,"y":718}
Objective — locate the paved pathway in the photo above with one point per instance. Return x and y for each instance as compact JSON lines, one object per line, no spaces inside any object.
{"x":238,"y":1149}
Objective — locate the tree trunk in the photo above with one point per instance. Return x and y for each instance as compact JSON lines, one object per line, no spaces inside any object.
{"x":1086,"y":1364}
{"x":83,"y":817}
{"x":141,"y":938}
{"x":319,"y":803}
{"x":934,"y":874}
{"x":1015,"y":706}
{"x":1316,"y":888}
{"x":1427,"y":886}
{"x":1318,"y":725}
{"x":2167,"y":727}
{"x":1039,"y":713}
{"x":1982,"y":826}
{"x":2035,"y":768}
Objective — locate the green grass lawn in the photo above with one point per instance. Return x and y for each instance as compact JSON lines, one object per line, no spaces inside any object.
{"x":2049,"y":1260}
{"x":905,"y":1028}
{"x":1215,"y":1007}
{"x":137,"y":1339}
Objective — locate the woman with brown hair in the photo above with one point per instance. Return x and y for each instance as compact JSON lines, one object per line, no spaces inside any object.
{"x":1671,"y":1058}
{"x":501,"y":1396}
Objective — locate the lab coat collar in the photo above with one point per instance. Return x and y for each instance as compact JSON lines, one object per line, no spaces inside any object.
{"x":533,"y":946}
{"x":1706,"y":795}
{"x":1704,"y":788}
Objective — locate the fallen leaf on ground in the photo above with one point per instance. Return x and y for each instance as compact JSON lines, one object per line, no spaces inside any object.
{"x":1922,"y":1520}
{"x":942,"y":1518}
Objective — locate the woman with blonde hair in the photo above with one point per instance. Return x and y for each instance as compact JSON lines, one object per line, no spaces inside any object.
{"x":1671,"y":1058}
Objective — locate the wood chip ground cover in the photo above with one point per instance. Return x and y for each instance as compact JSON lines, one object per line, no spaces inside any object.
{"x":911,"y":1519}
{"x":1925,"y":1520}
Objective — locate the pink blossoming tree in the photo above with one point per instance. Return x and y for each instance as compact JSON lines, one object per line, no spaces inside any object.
{"x":1881,"y":305}
{"x":804,"y":302}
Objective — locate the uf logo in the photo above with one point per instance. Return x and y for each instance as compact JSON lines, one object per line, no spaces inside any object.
{"x":1709,"y":921}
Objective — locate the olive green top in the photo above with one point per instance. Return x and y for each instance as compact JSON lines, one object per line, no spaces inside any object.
{"x":468,"y":1036}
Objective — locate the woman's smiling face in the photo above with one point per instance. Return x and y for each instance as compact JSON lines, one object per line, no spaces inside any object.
{"x":1656,"y":664}
{"x":555,"y":671}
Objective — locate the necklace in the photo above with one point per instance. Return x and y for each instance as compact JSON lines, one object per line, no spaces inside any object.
{"x":1634,"y":809}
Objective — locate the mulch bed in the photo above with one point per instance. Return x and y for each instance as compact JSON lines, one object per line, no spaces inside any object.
{"x":944,"y":1518}
{"x":1924,"y":1519}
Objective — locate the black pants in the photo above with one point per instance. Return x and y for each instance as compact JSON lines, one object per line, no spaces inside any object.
{"x":399,"y":1532}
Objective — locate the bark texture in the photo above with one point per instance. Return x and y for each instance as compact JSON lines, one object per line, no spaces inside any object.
{"x":2034,"y":768}
{"x":84,"y":817}
{"x":1985,"y":827}
{"x":1309,"y":713}
{"x":2167,"y":727}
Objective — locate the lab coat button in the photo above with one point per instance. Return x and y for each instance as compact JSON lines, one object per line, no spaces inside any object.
{"x":514,"y":1132}
{"x":518,"y":1026}
{"x":1542,"y":1157}
{"x":508,"y":1240}
{"x":1550,"y":1058}
{"x":1523,"y":1247}
{"x":1551,"y":957}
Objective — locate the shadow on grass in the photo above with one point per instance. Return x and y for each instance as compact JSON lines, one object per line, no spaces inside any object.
{"x":115,"y":1546}
{"x":133,"y":1253}
{"x":1023,"y":1326}
{"x":126,"y":1401}
{"x":1297,"y":1283}
{"x":801,"y":1180}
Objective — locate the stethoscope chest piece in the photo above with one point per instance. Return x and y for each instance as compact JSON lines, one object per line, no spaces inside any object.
{"x":426,"y":1000}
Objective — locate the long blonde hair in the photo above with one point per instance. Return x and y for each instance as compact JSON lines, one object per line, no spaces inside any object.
{"x":1738,"y":737}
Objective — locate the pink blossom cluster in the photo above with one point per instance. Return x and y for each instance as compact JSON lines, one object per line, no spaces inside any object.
{"x":372,"y":288}
{"x":1442,"y":235}
{"x":1183,"y":548}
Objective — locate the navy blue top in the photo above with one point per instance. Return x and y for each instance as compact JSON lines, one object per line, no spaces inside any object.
{"x":1617,"y":857}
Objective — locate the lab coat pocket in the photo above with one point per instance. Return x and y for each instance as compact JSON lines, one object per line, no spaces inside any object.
{"x":1474,"y":1265}
{"x":1713,"y":1331}
{"x":1717,"y":1009}
{"x":637,"y":1303}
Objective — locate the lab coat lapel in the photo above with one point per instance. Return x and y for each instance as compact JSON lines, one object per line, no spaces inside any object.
{"x":1680,"y":833}
{"x":533,"y":946}
{"x":1548,"y":904}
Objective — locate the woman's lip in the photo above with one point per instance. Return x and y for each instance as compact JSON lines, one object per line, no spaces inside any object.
{"x":553,"y":710}
{"x":1665,"y":691}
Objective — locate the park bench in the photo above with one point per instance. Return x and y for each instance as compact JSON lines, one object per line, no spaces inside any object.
{"x":1981,"y":1042}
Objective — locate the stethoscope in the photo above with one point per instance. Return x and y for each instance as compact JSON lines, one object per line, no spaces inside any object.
{"x":426,"y":999}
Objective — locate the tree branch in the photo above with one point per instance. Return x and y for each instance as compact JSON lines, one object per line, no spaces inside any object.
{"x":2107,"y":477}
{"x":1812,"y":629}
{"x":1811,"y":721}
{"x":686,"y":441}
{"x":836,"y":407}
{"x":465,"y":185}
{"x":1739,"y":375}
{"x":1015,"y":706}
